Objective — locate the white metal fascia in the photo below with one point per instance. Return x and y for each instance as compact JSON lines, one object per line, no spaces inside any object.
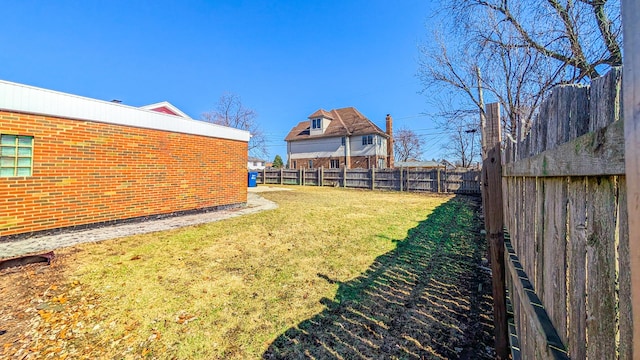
{"x":33,"y":100}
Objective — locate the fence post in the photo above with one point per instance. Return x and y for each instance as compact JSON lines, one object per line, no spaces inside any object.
{"x":281,"y":176}
{"x":344,"y":177}
{"x":438,"y":183}
{"x":301,"y":175}
{"x":320,"y":171}
{"x":373,"y":178}
{"x":631,"y":105}
{"x":492,"y":138}
{"x":401,"y":184}
{"x":264,"y":176}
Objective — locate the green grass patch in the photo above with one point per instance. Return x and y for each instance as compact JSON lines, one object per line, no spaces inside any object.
{"x":228,"y":289}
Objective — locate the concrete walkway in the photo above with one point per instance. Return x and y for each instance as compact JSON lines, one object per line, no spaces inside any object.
{"x":38,"y":244}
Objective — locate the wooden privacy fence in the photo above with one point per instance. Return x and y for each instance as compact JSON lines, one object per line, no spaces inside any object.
{"x":565,"y":210}
{"x":400,"y":179}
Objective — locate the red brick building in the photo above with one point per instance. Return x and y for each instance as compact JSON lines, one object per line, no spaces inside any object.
{"x":69,"y":161}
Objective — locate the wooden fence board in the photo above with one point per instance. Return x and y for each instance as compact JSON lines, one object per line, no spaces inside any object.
{"x":529,"y":234}
{"x":576,"y":264}
{"x":554,"y":266}
{"x":539,"y":229}
{"x":624,"y":271}
{"x":601,"y":297}
{"x":604,"y":107}
{"x":631,"y":28}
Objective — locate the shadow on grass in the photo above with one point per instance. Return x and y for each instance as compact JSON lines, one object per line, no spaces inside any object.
{"x":426,"y":299}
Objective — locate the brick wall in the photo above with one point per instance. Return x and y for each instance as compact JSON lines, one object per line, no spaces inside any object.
{"x":88,"y":172}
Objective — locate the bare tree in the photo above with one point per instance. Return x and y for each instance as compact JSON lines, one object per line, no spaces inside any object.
{"x":464,"y":139}
{"x":231,"y":112}
{"x":515,"y":52}
{"x":406,"y":145}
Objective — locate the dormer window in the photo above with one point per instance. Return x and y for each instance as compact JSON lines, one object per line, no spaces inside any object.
{"x":316,"y":124}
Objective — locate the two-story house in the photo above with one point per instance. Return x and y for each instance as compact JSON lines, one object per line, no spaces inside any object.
{"x":339,"y":138}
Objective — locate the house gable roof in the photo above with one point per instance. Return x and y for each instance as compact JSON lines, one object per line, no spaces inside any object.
{"x":321,"y":113}
{"x":350,"y":123}
{"x":166,"y":108}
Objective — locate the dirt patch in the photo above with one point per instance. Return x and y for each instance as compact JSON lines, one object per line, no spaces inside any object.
{"x":43,"y":315}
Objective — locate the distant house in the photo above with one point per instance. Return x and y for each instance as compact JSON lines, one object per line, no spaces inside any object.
{"x":254,"y":163}
{"x":339,"y":138}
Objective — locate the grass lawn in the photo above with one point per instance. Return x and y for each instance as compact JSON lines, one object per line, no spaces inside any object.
{"x":224,"y":290}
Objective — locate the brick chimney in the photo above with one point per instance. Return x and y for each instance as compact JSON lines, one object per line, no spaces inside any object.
{"x":389,"y":141}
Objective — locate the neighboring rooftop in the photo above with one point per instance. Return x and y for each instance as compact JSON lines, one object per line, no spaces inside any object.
{"x":345,"y":122}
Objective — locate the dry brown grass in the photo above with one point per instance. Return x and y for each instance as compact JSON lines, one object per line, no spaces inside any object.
{"x":228,"y":289}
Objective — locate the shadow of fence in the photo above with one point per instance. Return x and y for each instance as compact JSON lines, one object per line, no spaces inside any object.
{"x":428,"y":298}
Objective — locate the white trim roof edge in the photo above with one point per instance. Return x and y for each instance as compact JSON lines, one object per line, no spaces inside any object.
{"x":30,"y":99}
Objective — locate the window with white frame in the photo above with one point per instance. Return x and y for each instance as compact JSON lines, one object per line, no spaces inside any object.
{"x":16,"y":155}
{"x":367,"y":140}
{"x":316,"y":124}
{"x":334,"y":163}
{"x":310,"y":164}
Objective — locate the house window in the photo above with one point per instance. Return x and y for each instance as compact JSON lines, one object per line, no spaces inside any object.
{"x":380,"y":163}
{"x":316,"y":123}
{"x":344,"y":141}
{"x":310,"y":164}
{"x":16,"y":155}
{"x":334,"y":164}
{"x":367,"y":140}
{"x":295,"y":164}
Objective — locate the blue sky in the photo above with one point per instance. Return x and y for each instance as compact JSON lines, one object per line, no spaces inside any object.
{"x":286,"y":59}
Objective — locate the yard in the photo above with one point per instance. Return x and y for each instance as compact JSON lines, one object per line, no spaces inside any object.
{"x":331,"y":273}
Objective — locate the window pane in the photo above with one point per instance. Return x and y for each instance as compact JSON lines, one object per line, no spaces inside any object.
{"x":8,"y":140}
{"x":24,"y":151}
{"x":8,"y":151}
{"x":25,"y":140}
{"x":7,"y":162}
{"x":6,"y":171}
{"x":24,"y":162}
{"x":24,"y":171}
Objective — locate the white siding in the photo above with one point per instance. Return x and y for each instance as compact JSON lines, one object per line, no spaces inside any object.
{"x":379,"y":146}
{"x":33,"y":100}
{"x":312,"y":148}
{"x":332,"y":147}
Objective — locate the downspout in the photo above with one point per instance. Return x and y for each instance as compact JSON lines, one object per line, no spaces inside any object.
{"x":347,"y":152}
